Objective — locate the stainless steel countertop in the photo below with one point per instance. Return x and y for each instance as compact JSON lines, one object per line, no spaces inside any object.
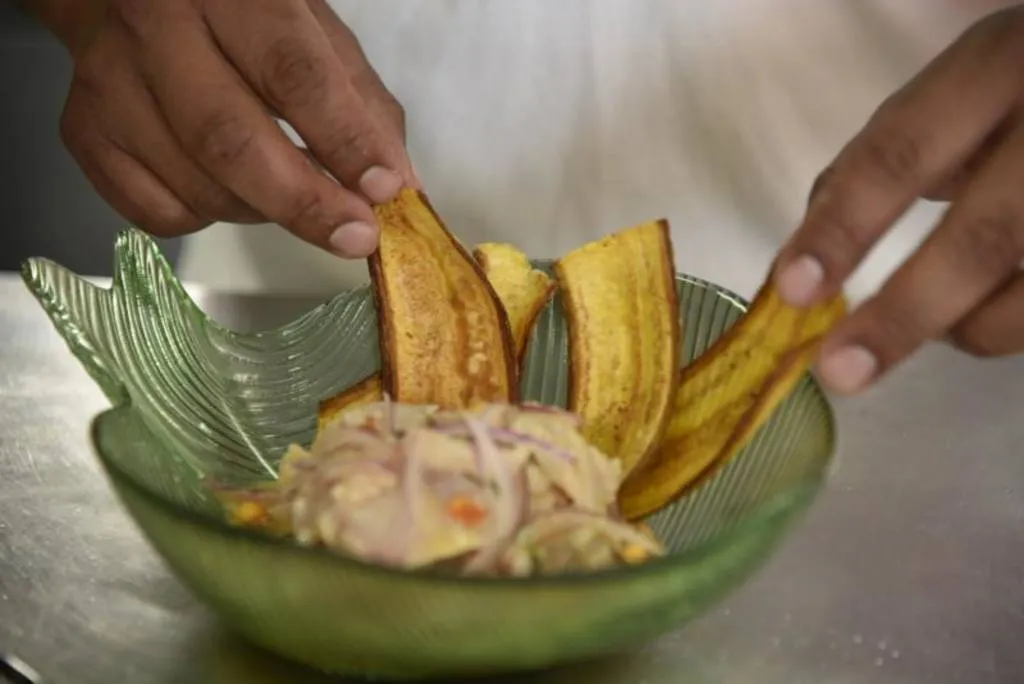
{"x":910,"y":568}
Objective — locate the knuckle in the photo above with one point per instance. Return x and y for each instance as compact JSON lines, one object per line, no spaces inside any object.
{"x":293,"y":74}
{"x":895,"y":330}
{"x":992,"y":239}
{"x":307,"y":213}
{"x":845,"y":237}
{"x":348,"y":146}
{"x":222,"y":139}
{"x":893,"y":156}
{"x":838,"y":241}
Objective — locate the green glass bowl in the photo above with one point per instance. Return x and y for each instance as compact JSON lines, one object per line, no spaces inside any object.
{"x":194,"y":400}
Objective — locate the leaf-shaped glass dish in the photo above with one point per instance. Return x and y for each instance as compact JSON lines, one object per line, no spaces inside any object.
{"x":194,"y":400}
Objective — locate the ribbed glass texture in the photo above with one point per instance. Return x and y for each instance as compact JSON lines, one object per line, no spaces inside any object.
{"x":194,"y":400}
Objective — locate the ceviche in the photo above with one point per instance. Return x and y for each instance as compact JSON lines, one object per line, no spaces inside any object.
{"x":500,"y":490}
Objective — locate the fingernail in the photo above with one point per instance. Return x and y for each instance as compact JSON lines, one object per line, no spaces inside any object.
{"x":380,"y":185}
{"x":848,"y":369}
{"x":799,"y":282}
{"x":354,"y":240}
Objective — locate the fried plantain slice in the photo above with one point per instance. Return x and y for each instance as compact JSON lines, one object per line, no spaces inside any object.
{"x":619,"y":295}
{"x":727,"y":394}
{"x":444,"y":335}
{"x":522,"y":289}
{"x":367,"y":391}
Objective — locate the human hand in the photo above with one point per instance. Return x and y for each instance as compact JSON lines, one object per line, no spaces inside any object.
{"x":955,"y":132}
{"x":170,"y":115}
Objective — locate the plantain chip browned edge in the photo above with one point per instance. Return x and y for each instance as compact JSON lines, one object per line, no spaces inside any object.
{"x":523,"y":291}
{"x":366,"y":391}
{"x":622,"y":315}
{"x":726,"y":395}
{"x":444,"y":335}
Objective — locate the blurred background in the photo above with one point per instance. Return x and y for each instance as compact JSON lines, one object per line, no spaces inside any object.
{"x":47,"y":207}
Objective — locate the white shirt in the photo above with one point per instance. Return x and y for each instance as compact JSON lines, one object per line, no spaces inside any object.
{"x":549,"y":123}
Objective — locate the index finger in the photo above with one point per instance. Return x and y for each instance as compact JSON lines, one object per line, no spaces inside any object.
{"x":915,"y":139}
{"x":287,"y":58}
{"x":222,"y":124}
{"x":976,"y":247}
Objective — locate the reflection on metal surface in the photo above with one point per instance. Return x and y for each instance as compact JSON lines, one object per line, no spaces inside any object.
{"x":910,"y":569}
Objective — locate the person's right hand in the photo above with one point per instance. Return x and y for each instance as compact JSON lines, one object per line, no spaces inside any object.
{"x":171,"y":116}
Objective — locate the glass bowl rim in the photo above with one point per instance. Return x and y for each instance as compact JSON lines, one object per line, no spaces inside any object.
{"x":807,"y":488}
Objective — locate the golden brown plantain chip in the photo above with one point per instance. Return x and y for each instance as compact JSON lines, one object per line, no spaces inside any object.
{"x":367,"y":391}
{"x":444,"y":335}
{"x":619,"y":295}
{"x":726,"y":395}
{"x":522,"y":289}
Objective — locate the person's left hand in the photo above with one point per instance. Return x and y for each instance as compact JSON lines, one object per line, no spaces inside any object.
{"x":955,"y":132}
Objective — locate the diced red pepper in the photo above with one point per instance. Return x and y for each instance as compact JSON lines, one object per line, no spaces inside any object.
{"x":466,"y":510}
